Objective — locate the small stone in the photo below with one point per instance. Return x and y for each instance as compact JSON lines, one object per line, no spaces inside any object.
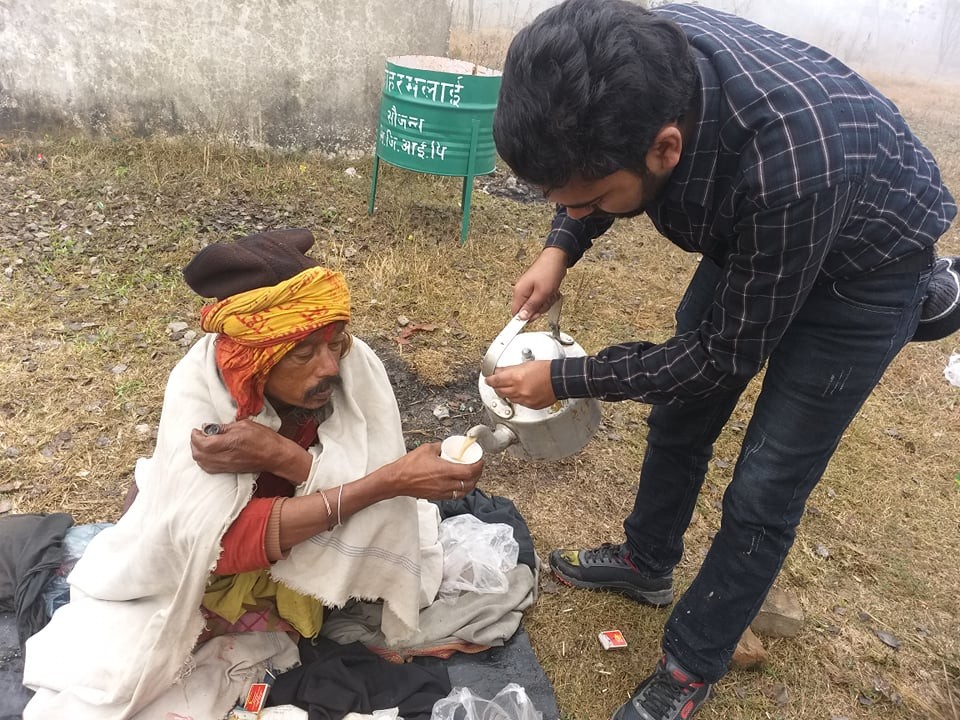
{"x":441,"y":412}
{"x":188,"y":337}
{"x":778,"y":693}
{"x":821,"y":551}
{"x":118,"y":369}
{"x":12,"y":452}
{"x":888,"y":639}
{"x":8,"y":272}
{"x":350,"y":172}
{"x":750,"y":653}
{"x":403,"y":320}
{"x":177,"y":327}
{"x":779,"y":616}
{"x":143,"y":430}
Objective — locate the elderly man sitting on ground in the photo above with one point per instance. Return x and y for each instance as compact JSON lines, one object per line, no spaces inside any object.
{"x":279,"y":485}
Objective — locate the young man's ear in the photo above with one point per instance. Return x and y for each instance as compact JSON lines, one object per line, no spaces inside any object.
{"x":664,"y":153}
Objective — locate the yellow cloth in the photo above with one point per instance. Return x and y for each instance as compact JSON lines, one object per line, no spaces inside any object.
{"x":230,"y":596}
{"x":258,"y":327}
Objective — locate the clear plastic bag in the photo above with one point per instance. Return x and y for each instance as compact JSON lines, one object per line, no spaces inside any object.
{"x":952,"y":371}
{"x":476,"y":555}
{"x":56,"y":594}
{"x":511,"y":703}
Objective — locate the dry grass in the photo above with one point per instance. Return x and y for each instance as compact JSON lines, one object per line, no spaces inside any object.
{"x":95,"y":238}
{"x":487,"y":46}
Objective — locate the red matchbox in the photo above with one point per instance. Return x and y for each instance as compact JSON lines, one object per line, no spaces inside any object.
{"x":612,"y":639}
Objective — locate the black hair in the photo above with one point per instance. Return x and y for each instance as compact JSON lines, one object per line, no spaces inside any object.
{"x":586,"y":87}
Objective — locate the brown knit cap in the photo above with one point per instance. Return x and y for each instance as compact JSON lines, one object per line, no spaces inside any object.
{"x":255,"y":261}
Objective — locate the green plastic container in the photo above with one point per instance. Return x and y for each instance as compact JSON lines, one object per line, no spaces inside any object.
{"x":436,"y":117}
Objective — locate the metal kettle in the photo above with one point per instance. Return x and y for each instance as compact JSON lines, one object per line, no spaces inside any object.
{"x":551,"y":433}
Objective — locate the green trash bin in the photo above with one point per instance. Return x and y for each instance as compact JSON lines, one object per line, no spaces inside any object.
{"x":436,"y":117}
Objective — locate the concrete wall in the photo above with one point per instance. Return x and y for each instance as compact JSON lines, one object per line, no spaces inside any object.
{"x":915,"y":38}
{"x":286,"y":73}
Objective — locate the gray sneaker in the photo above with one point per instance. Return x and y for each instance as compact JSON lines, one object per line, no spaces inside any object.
{"x":670,"y":693}
{"x":609,"y":567}
{"x":940,"y":315}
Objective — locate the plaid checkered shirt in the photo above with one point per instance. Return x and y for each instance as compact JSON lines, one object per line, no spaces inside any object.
{"x":798,"y":172}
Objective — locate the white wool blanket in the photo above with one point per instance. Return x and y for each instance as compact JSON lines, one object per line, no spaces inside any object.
{"x":122,"y":648}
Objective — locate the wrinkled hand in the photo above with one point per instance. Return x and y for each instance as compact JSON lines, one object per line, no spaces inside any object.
{"x":241,"y":447}
{"x":527,"y":384}
{"x":422,"y":473}
{"x":539,"y":287}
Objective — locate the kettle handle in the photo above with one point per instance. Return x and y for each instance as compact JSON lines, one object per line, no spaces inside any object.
{"x":512,"y":329}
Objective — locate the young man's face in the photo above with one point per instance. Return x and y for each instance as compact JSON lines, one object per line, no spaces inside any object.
{"x":621,"y":194}
{"x":305,"y":376}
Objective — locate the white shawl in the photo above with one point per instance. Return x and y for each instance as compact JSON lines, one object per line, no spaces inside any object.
{"x":122,"y":647}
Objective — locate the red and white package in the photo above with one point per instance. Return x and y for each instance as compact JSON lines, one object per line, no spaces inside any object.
{"x":612,"y":639}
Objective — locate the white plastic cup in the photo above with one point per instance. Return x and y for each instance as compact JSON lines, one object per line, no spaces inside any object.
{"x":452,"y":450}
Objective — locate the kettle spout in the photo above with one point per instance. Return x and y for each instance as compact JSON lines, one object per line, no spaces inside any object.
{"x":495,"y":440}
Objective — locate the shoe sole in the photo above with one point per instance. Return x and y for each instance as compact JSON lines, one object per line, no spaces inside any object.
{"x":656,"y":598}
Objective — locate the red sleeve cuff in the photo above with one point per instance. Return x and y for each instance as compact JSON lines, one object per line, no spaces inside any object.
{"x":244,"y":546}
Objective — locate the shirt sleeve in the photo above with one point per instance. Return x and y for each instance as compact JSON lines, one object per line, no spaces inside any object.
{"x":245,"y":542}
{"x":766,"y":278}
{"x":573,"y":236}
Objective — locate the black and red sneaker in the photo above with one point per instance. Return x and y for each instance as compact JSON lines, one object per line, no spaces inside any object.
{"x":940,"y":315}
{"x":609,"y":567}
{"x":671,"y":693}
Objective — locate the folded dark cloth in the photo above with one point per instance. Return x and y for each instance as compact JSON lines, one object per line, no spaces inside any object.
{"x":31,"y":550}
{"x":335,"y":680}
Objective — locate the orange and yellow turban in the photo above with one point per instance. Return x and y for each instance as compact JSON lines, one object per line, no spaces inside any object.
{"x":258,"y":327}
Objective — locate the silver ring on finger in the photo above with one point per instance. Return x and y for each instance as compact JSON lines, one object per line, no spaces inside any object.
{"x":462,"y":489}
{"x":454,"y":494}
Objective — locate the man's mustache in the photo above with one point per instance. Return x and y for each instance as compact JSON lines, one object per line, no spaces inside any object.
{"x":325,"y":384}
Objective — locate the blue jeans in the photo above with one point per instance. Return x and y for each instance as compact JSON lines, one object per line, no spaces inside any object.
{"x":827,"y":363}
